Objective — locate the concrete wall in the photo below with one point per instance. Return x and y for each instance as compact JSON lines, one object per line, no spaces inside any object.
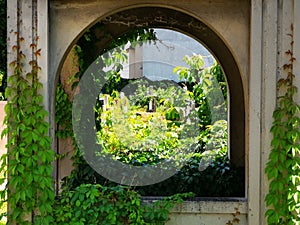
{"x":209,"y":213}
{"x":65,"y":146}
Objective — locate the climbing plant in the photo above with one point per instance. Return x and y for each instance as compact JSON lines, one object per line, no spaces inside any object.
{"x":97,"y":204}
{"x":283,"y":167}
{"x":28,"y":163}
{"x":63,"y":113}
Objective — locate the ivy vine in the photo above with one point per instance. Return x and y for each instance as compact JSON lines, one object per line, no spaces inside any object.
{"x":283,"y":167}
{"x":28,"y":163}
{"x":97,"y":204}
{"x":63,"y":113}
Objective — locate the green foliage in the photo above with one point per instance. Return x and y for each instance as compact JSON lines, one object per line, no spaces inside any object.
{"x":207,"y":174}
{"x":167,"y":94}
{"x":63,"y":118}
{"x":95,"y":204}
{"x":283,"y":167}
{"x":113,"y":60}
{"x":205,"y":85}
{"x":157,"y":212}
{"x":63,"y":113}
{"x":82,"y":172}
{"x":3,"y":208}
{"x":99,"y":205}
{"x":29,"y":190}
{"x":115,"y":124}
{"x":89,"y":52}
{"x":134,"y":135}
{"x":114,"y":204}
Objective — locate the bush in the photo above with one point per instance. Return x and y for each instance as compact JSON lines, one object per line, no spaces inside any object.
{"x":119,"y":205}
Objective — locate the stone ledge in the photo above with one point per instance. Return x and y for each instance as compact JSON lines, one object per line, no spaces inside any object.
{"x":208,"y":205}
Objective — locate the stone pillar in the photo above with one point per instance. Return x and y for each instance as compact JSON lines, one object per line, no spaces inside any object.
{"x":29,"y":19}
{"x":270,"y":26}
{"x":27,"y":24}
{"x":254,"y":115}
{"x":268,"y":90}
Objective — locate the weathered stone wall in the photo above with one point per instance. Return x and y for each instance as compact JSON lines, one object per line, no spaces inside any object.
{"x":65,"y":146}
{"x":210,"y":212}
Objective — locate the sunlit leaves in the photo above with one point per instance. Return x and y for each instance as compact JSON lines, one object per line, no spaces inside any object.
{"x":29,"y":166}
{"x":96,"y":204}
{"x":283,"y":167}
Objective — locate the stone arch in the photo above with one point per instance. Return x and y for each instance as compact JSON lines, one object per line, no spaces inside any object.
{"x":164,"y":17}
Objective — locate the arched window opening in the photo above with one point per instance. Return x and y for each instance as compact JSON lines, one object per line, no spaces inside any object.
{"x":158,"y":96}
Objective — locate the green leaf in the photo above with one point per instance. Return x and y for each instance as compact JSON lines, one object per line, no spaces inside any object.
{"x":78,"y":203}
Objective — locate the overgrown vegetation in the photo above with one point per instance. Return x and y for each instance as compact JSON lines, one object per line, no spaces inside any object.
{"x":81,"y":196}
{"x":217,"y":177}
{"x":283,"y":167}
{"x":96,"y":204}
{"x":28,"y":163}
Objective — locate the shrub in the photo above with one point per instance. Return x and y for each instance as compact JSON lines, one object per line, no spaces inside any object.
{"x":119,"y":205}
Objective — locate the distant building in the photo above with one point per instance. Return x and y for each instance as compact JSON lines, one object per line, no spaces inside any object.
{"x":156,"y":61}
